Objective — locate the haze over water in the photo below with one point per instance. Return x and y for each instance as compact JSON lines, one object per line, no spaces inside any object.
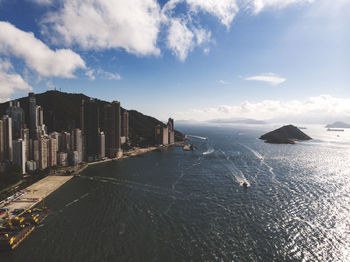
{"x":174,"y":205}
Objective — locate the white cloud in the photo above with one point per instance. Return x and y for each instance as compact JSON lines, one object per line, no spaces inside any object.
{"x":109,"y":75}
{"x":91,"y":73}
{"x":268,"y":78}
{"x":134,"y":25}
{"x":182,"y":35}
{"x":224,"y":82}
{"x":224,"y":10}
{"x":315,"y":109}
{"x":104,"y":24}
{"x":206,"y":50}
{"x":37,"y":55}
{"x":259,"y":5}
{"x":180,"y":38}
{"x":10,"y":82}
{"x":42,"y":2}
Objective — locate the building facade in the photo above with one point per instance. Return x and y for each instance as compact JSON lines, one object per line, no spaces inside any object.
{"x":90,"y":129}
{"x":101,"y":145}
{"x":32,"y":116}
{"x":125,"y":124}
{"x":17,"y":115}
{"x":7,"y":138}
{"x":165,"y":135}
{"x":112,"y":124}
{"x":25,"y":137}
{"x":161,"y":135}
{"x":19,"y":154}
{"x":52,"y":151}
{"x":77,"y":143}
{"x":43,"y":152}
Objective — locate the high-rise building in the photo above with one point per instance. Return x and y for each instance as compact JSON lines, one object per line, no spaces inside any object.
{"x":73,"y":158}
{"x":161,"y":135}
{"x":89,"y":119}
{"x":125,"y":124}
{"x":36,"y":152}
{"x":171,"y":131}
{"x":2,"y":141}
{"x":112,"y":123}
{"x":65,"y":145}
{"x":7,"y":138}
{"x":62,"y":158}
{"x":31,"y":165}
{"x":32,"y":116}
{"x":17,"y":115}
{"x":101,"y":144}
{"x":58,"y":138}
{"x":77,"y":143}
{"x":43,"y":152}
{"x":52,"y":151}
{"x":39,"y":116}
{"x":41,"y":129}
{"x":19,"y":154}
{"x":25,"y":138}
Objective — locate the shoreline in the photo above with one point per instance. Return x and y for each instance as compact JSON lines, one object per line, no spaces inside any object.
{"x":30,"y":196}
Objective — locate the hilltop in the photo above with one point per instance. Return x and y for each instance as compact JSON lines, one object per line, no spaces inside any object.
{"x":285,"y":135}
{"x":62,"y":112}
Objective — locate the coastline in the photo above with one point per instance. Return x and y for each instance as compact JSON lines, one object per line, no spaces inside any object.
{"x":30,"y":196}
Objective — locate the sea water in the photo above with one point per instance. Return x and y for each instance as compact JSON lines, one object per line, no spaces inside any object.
{"x":175,"y":205}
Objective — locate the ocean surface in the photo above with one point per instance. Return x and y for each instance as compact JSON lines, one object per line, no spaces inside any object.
{"x":172,"y":205}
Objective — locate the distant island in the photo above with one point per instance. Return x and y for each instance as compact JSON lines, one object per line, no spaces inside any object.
{"x":238,"y":121}
{"x":285,"y":135}
{"x":338,"y":124}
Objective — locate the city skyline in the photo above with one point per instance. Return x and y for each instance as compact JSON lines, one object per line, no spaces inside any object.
{"x":224,"y":59}
{"x":101,"y":133}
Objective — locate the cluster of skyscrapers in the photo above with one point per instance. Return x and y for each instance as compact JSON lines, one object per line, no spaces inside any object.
{"x":33,"y":148}
{"x":98,"y":144}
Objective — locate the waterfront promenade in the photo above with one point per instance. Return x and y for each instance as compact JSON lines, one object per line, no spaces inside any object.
{"x":32,"y":195}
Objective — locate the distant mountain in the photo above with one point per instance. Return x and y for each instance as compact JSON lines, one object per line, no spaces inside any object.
{"x":338,"y":124}
{"x":62,"y":112}
{"x":238,"y":121}
{"x":285,"y":135}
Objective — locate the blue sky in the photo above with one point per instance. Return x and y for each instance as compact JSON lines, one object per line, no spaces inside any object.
{"x":190,"y":59}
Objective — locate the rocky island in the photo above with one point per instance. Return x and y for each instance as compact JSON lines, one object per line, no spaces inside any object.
{"x":285,"y":135}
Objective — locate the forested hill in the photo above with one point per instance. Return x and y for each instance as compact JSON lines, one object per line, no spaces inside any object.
{"x":62,"y":112}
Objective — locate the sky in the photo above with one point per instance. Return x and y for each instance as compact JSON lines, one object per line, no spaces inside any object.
{"x":187,"y":59}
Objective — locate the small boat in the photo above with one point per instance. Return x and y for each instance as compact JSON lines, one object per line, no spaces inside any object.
{"x":245,"y":184}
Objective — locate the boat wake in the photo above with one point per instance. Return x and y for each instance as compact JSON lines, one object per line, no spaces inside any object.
{"x":199,"y":137}
{"x":136,"y":186}
{"x":255,"y":153}
{"x":235,"y":172}
{"x":208,"y":152}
